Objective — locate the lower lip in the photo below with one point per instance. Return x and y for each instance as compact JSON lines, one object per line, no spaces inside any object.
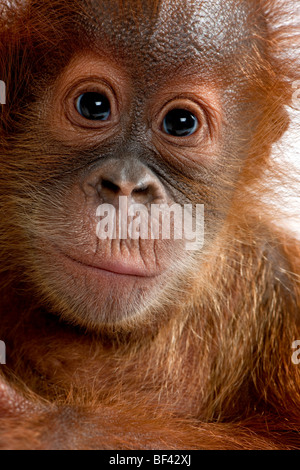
{"x":117,"y":269}
{"x":112,"y":268}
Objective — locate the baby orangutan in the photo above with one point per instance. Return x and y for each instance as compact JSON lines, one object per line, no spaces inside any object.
{"x":138,"y":342}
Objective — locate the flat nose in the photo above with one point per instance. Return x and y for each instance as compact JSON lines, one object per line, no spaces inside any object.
{"x":124,"y":178}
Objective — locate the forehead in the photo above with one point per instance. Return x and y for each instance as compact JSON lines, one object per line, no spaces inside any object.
{"x":171,"y":32}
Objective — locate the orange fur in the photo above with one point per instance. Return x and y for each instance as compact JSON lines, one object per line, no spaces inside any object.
{"x":215,"y":371}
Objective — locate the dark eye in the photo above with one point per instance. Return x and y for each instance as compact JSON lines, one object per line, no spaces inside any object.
{"x":93,"y":106}
{"x":180,"y":123}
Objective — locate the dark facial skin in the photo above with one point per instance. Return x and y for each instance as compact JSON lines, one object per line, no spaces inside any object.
{"x":145,"y":68}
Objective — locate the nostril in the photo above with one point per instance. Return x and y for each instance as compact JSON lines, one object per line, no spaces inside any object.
{"x":141,"y":190}
{"x":106,"y":184}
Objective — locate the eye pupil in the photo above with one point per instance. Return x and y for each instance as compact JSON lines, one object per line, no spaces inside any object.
{"x":180,"y":123}
{"x":93,"y":106}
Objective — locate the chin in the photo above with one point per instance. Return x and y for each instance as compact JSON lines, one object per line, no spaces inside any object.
{"x":99,"y":292}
